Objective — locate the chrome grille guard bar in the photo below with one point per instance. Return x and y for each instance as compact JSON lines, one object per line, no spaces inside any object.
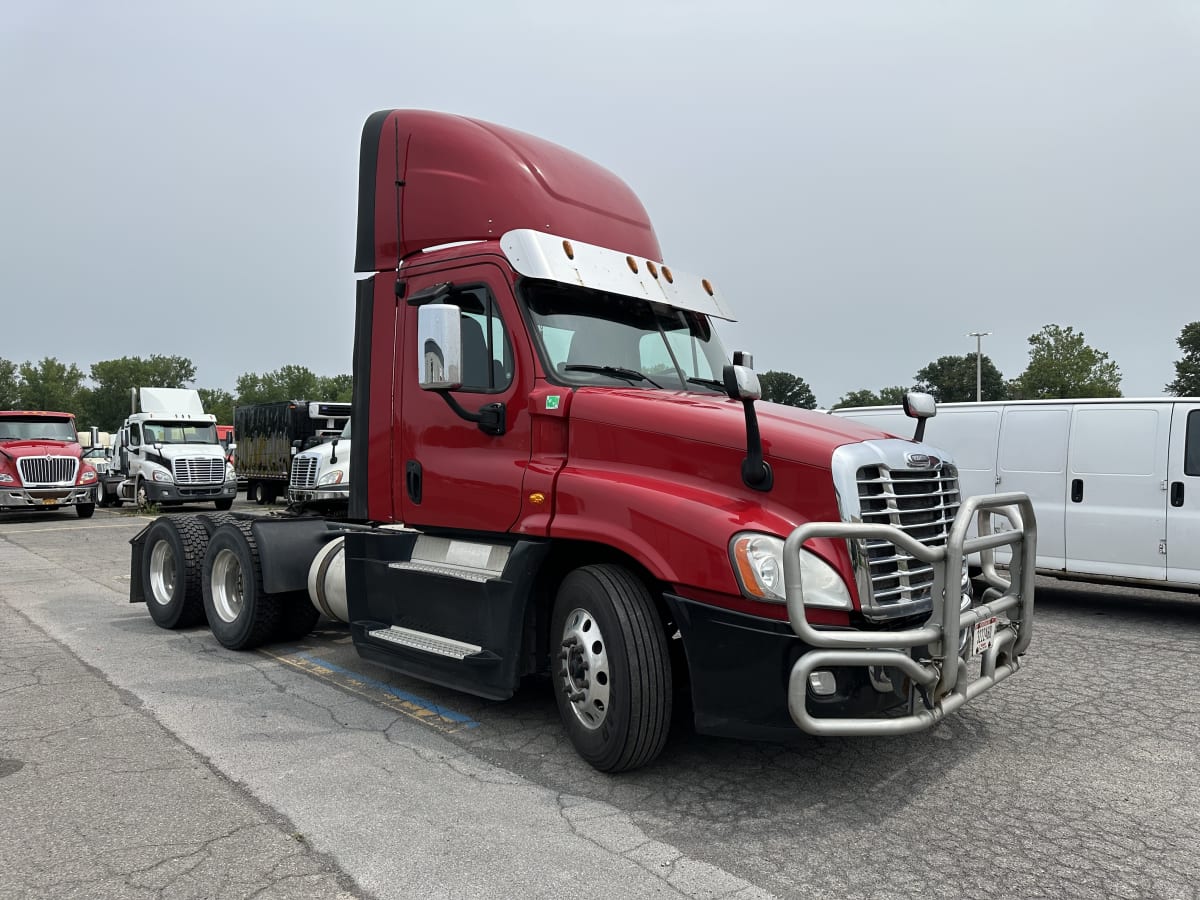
{"x":943,"y":676}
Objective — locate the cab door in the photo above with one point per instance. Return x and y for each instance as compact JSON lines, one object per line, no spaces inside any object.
{"x":1116,"y":503}
{"x":450,"y":473}
{"x":1183,"y":495}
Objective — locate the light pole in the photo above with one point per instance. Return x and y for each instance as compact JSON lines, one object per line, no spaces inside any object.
{"x":979,"y":336}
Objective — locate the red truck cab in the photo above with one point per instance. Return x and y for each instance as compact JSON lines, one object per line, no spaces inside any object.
{"x":41,"y":463}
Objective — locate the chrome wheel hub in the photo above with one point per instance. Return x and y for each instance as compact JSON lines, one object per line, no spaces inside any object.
{"x":162,"y":573}
{"x":227,"y":587}
{"x":583,"y":668}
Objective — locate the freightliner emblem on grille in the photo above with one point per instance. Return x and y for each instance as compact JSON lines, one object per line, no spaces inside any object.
{"x":922,"y":461}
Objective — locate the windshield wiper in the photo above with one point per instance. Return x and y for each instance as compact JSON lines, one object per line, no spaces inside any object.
{"x":615,"y":371}
{"x":709,"y":382}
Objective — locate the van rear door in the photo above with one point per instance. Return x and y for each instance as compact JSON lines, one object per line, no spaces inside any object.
{"x":1183,"y":495}
{"x":1116,"y":505}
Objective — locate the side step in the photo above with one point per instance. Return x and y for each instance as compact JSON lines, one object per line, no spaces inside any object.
{"x":421,"y":640}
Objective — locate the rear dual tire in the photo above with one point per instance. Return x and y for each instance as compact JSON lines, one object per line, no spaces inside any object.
{"x":172,"y":558}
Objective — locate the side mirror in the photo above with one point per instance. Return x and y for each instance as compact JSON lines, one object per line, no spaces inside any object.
{"x":232,"y":447}
{"x":919,"y":406}
{"x":741,"y":383}
{"x":439,"y":347}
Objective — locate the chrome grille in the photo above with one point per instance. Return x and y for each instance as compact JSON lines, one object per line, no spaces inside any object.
{"x":878,"y":486}
{"x":198,"y":470}
{"x":304,"y":472}
{"x":38,"y":471}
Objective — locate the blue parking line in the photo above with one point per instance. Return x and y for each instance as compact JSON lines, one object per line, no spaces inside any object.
{"x":441,"y":711}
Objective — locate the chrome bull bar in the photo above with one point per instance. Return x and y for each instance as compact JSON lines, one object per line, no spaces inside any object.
{"x":942,"y":676}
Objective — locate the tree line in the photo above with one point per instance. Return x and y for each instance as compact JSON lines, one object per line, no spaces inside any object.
{"x":1061,"y":364}
{"x":101,"y":397}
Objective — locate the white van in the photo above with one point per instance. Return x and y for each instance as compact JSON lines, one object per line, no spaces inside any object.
{"x":1115,"y":483}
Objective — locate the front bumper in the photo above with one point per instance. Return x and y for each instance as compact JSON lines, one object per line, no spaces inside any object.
{"x":325,"y":494}
{"x":18,"y":497}
{"x":750,"y":677}
{"x":161,"y":492}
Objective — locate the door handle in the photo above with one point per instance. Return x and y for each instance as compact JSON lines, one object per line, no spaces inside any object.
{"x":1077,"y":490}
{"x":412,"y":480}
{"x":1177,"y":493}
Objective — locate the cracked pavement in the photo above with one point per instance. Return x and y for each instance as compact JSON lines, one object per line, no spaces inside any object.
{"x":139,"y":762}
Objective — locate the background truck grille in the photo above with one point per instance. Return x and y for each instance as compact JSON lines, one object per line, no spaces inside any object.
{"x":198,"y":470}
{"x":48,"y":470}
{"x":304,"y":472}
{"x":921,"y":502}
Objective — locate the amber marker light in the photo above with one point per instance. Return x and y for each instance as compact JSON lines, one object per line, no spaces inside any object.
{"x":707,"y":287}
{"x":537,"y":498}
{"x":652,"y":269}
{"x":568,"y":249}
{"x":746,"y":570}
{"x":667,"y":275}
{"x":632,"y":264}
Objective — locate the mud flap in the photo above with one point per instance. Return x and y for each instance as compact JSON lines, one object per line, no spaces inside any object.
{"x":137,"y":593}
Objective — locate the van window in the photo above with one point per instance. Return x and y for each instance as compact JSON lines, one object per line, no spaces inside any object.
{"x":1191,"y":447}
{"x":1114,"y":441}
{"x":1034,"y":440}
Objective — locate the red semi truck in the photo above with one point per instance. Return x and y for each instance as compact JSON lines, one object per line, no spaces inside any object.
{"x":41,"y":463}
{"x":559,"y":471}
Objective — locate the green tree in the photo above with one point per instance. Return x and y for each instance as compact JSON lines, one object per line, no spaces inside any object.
{"x":108,"y":403}
{"x":1187,"y":369}
{"x":337,"y":387}
{"x":951,"y":379}
{"x":291,"y":383}
{"x":50,"y":385}
{"x":786,"y":388}
{"x":10,"y":384}
{"x":219,"y":403}
{"x":1062,"y":365}
{"x":285,"y":383}
{"x":888,"y":396}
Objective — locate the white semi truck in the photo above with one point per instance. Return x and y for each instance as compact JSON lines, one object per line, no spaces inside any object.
{"x":168,"y":453}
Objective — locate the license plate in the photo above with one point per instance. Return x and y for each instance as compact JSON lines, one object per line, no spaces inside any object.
{"x":48,"y":501}
{"x":985,"y":633}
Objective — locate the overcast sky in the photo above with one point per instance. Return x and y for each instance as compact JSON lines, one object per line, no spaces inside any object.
{"x":866,"y":182}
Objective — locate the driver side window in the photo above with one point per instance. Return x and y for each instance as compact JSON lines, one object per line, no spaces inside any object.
{"x":487,"y":363}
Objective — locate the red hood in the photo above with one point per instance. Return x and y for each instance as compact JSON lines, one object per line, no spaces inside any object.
{"x":788,"y":433}
{"x":19,"y":448}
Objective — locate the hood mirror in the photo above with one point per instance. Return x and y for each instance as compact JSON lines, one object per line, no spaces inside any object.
{"x":741,"y":383}
{"x":920,"y":406}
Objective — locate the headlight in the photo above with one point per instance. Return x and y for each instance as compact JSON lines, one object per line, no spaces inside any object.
{"x":5,"y":478}
{"x":87,"y":476}
{"x":162,"y":475}
{"x":230,"y":474}
{"x":758,"y":564}
{"x":334,"y":477}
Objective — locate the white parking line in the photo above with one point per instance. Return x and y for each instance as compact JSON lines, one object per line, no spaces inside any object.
{"x":138,"y":521}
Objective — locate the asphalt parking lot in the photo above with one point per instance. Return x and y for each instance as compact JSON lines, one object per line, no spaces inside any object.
{"x":139,"y":762}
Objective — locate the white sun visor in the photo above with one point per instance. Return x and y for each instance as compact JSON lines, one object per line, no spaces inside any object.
{"x":538,"y":255}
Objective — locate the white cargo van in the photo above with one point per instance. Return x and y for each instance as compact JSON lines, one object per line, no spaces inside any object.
{"x":1115,"y":483}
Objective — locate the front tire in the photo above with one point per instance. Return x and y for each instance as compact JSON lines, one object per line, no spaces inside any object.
{"x":171,"y":566}
{"x":85,"y":510}
{"x":241,"y":614}
{"x":611,"y":668}
{"x":224,"y":504}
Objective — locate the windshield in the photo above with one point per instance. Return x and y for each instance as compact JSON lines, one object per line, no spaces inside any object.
{"x":34,"y":428}
{"x":592,"y":337}
{"x":179,"y":433}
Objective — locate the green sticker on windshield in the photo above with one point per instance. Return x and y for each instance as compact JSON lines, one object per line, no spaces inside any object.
{"x":552,"y":401}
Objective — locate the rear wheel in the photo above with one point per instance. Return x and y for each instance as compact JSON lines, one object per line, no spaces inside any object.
{"x":612,"y":670}
{"x":171,"y":564}
{"x":257,"y":491}
{"x":241,"y":614}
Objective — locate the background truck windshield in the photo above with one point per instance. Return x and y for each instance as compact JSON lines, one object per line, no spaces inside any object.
{"x":179,"y":433}
{"x":581,"y":332}
{"x":31,"y":428}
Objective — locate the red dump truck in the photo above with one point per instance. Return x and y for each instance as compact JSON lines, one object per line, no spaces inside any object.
{"x":559,"y":471}
{"x":41,"y":463}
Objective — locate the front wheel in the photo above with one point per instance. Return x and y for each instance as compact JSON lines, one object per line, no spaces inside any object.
{"x":224,"y":503}
{"x":611,"y":665}
{"x":85,"y":510}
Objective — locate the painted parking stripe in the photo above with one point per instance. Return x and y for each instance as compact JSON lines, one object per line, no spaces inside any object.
{"x":439,"y":717}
